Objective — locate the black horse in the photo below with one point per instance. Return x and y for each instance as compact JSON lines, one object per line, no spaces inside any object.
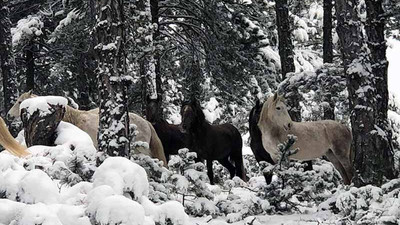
{"x":213,"y":142}
{"x":256,"y":143}
{"x":170,"y":135}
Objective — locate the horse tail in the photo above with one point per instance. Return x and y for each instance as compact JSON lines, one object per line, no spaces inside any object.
{"x":352,"y":153}
{"x":237,"y":153}
{"x":156,"y":147}
{"x":9,"y":143}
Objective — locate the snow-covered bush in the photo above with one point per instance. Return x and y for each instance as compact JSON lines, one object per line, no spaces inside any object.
{"x":124,"y":176}
{"x":168,"y":213}
{"x":28,"y":187}
{"x":71,"y":161}
{"x":201,"y":207}
{"x":193,"y":177}
{"x":236,"y":208}
{"x":117,"y":209}
{"x":295,"y":184}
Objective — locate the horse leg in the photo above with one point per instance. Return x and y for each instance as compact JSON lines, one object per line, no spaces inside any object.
{"x":334,"y":160}
{"x":344,"y":159}
{"x":238,"y":159}
{"x":308,"y":166}
{"x":210,"y":171}
{"x":225,"y":162}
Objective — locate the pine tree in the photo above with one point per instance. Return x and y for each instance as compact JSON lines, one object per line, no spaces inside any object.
{"x":114,"y":121}
{"x":375,"y":31}
{"x":286,"y":54}
{"x":372,"y":156}
{"x":7,"y":62}
{"x":328,"y":56}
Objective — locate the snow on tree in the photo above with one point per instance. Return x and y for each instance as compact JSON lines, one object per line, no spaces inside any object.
{"x":113,"y":132}
{"x":143,"y":48}
{"x":7,"y":61}
{"x":373,"y":155}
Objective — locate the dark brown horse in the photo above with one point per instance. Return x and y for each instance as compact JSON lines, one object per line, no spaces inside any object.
{"x":170,"y":135}
{"x":213,"y":142}
{"x":256,"y":142}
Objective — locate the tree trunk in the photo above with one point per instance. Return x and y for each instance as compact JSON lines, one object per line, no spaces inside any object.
{"x":285,"y":41}
{"x":145,"y":48}
{"x":375,"y":30}
{"x":327,"y":29}
{"x":82,"y":81}
{"x":30,"y":67}
{"x":370,"y":162}
{"x":154,"y":4}
{"x":113,"y":135}
{"x":329,"y":108}
{"x":287,"y":56}
{"x":7,"y":62}
{"x":40,"y":130}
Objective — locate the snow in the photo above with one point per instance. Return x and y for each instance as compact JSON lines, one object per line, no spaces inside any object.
{"x":26,"y":29}
{"x":82,"y":144}
{"x":42,"y":104}
{"x":172,"y":211}
{"x":29,"y":187}
{"x":123,"y":176}
{"x":74,"y":14}
{"x":118,"y":209}
{"x":38,"y":214}
{"x":212,"y":110}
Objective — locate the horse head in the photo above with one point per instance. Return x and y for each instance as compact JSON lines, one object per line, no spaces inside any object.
{"x":274,"y":115}
{"x":153,"y":109}
{"x":192,"y":115}
{"x":14,"y":111}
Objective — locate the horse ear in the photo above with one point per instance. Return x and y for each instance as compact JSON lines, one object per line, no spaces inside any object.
{"x":30,"y":92}
{"x":275,"y":97}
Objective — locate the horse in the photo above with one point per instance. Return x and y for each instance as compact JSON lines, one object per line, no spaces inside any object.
{"x":256,"y":143}
{"x":88,"y":121}
{"x":9,"y":143}
{"x":314,"y":139}
{"x":171,"y":135}
{"x":213,"y":142}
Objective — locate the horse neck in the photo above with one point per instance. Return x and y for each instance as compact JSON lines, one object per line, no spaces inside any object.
{"x":200,"y":129}
{"x":71,"y":115}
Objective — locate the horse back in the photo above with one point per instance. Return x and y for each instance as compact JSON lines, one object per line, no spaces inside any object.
{"x":317,"y":137}
{"x":171,"y":137}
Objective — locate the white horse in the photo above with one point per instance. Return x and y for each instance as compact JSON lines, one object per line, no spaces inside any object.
{"x":314,"y":139}
{"x":88,"y":121}
{"x":9,"y":143}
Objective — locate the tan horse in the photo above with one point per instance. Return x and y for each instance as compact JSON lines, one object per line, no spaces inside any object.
{"x":88,"y":121}
{"x":314,"y":139}
{"x":9,"y":143}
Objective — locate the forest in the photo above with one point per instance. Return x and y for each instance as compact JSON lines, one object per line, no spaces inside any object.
{"x":188,"y":111}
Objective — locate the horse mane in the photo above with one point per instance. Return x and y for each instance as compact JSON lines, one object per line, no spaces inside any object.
{"x":9,"y":143}
{"x":195,"y":105}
